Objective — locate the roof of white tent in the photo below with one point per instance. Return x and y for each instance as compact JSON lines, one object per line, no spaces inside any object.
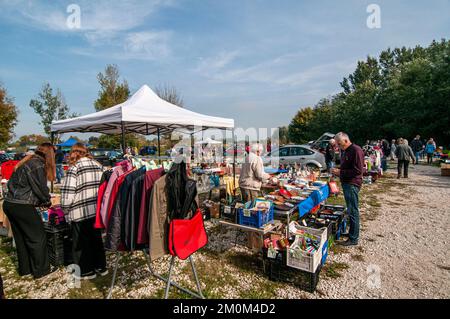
{"x":143,"y":113}
{"x":209,"y":141}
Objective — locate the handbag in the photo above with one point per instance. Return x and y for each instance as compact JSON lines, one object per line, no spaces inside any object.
{"x":186,"y":236}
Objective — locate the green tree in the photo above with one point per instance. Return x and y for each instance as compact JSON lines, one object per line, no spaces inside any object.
{"x":32,"y":139}
{"x":8,"y":117}
{"x":50,"y":107}
{"x":298,"y":129}
{"x":112,"y":92}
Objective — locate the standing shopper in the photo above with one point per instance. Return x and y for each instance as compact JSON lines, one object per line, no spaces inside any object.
{"x":350,"y":174}
{"x":79,"y":202}
{"x":430,"y":148}
{"x":330,"y":154}
{"x":59,"y":158}
{"x":252,"y":174}
{"x":393,"y":147}
{"x":27,"y":189}
{"x":417,"y":146}
{"x":404,"y":155}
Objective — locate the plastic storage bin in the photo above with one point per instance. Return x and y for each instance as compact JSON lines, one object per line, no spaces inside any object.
{"x":254,"y":218}
{"x":304,"y":260}
{"x":59,"y":243}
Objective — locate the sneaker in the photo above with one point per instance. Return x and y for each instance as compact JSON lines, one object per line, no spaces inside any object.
{"x":348,"y":243}
{"x":101,"y":272}
{"x":87,"y":276}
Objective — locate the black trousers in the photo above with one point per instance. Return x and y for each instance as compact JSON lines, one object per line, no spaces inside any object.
{"x":2,"y":294}
{"x":30,"y":238}
{"x":405,"y":165}
{"x":429,"y":158}
{"x":88,"y":251}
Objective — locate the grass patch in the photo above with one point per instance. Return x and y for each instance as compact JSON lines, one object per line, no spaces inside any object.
{"x":333,"y":270}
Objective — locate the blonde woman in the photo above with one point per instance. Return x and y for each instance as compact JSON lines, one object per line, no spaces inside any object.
{"x":27,"y":189}
{"x":79,"y":202}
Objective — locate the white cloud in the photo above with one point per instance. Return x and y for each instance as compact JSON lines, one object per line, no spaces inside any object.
{"x":106,"y":25}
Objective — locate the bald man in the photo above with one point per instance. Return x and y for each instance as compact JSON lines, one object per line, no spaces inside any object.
{"x":350,"y":173}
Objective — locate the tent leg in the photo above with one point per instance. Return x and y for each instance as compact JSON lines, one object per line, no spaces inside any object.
{"x":234,"y":164}
{"x":166,"y":295}
{"x":123,"y":138}
{"x":113,"y":280}
{"x":159,"y":146}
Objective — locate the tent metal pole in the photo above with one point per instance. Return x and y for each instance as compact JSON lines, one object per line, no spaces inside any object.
{"x":234,"y":164}
{"x":52,"y":140}
{"x":123,"y":138}
{"x":159,"y":146}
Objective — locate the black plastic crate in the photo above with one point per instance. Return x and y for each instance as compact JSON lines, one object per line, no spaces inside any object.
{"x":59,"y":244}
{"x":278,"y":271}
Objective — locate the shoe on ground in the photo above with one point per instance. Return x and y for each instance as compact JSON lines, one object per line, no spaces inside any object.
{"x":348,"y":243}
{"x":101,"y":272}
{"x":86,"y":276}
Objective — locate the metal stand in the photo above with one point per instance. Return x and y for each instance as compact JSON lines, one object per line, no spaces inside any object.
{"x":168,"y":282}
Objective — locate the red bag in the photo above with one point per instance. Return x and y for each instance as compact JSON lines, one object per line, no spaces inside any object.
{"x":334,"y":189}
{"x":186,"y":236}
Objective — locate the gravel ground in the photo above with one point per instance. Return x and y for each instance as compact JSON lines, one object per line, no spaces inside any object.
{"x":402,"y":254}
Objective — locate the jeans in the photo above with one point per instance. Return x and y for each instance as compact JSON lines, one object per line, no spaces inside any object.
{"x":330,"y":165}
{"x":59,"y":172}
{"x":249,"y":194}
{"x":405,"y":165}
{"x":417,"y":157}
{"x":429,"y":158}
{"x":351,"y":195}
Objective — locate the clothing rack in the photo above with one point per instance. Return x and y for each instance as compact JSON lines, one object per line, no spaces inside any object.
{"x":167,"y":280}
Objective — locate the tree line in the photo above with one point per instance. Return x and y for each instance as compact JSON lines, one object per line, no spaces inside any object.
{"x":400,"y":93}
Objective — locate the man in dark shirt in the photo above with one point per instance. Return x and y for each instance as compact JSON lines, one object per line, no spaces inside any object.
{"x":350,"y":174}
{"x":59,"y":158}
{"x":417,"y":147}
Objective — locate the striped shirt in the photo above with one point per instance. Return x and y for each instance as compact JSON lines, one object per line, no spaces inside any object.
{"x":80,"y":188}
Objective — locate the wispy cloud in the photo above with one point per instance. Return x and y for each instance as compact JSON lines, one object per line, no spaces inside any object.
{"x":103,"y":24}
{"x":282,"y":70}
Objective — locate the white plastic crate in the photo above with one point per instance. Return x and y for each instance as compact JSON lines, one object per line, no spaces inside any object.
{"x":308,"y":261}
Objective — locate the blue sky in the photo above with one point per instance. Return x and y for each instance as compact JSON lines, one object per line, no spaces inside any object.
{"x":252,"y":60}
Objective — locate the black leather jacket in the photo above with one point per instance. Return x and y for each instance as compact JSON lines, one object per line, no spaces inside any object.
{"x":28,"y":184}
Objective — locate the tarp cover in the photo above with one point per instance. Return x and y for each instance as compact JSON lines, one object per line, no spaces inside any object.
{"x":143,"y":113}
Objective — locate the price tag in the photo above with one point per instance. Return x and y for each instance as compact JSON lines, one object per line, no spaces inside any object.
{"x":247,"y":213}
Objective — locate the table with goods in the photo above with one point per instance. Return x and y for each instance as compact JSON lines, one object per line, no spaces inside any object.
{"x":295,"y":225}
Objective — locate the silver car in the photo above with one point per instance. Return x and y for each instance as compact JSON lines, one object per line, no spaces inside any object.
{"x":300,"y":154}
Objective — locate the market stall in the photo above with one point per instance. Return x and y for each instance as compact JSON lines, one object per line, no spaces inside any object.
{"x":144,"y":113}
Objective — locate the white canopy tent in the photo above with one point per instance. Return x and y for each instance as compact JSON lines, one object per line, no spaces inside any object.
{"x":144,"y":113}
{"x":209,"y":141}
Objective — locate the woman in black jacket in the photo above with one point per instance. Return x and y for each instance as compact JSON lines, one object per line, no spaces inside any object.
{"x":27,"y":189}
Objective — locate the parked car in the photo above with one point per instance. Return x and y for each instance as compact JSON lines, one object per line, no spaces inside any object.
{"x":322,"y":142}
{"x":300,"y":154}
{"x":106,"y":157}
{"x":148,"y":150}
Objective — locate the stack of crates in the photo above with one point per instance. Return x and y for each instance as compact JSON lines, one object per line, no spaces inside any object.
{"x":59,"y":243}
{"x":277,"y":270}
